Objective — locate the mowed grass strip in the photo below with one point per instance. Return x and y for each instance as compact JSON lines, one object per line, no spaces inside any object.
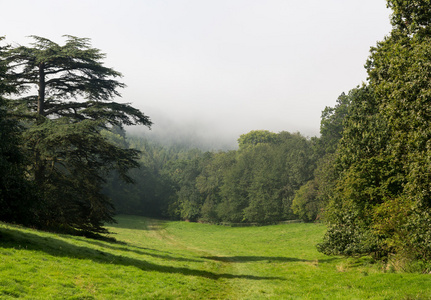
{"x":177,"y":260}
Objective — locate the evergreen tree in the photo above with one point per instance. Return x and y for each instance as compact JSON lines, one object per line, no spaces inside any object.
{"x":16,"y":196}
{"x":65,"y":96}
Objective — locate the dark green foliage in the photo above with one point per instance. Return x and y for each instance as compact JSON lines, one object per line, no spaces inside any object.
{"x":76,"y":160}
{"x":348,"y":233}
{"x":69,"y":159}
{"x":265,"y":199}
{"x":234,"y":191}
{"x":364,"y":178}
{"x":400,"y":72}
{"x":311,"y":199}
{"x":411,"y":16}
{"x":382,"y":197}
{"x":260,"y":184}
{"x":17,"y":198}
{"x":255,"y":184}
{"x":210,"y":182}
{"x":306,"y":204}
{"x":256,"y":137}
{"x":154,"y":193}
{"x":72,"y":83}
{"x":189,"y":199}
{"x":331,"y":124}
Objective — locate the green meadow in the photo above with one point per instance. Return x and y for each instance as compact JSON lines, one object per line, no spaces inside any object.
{"x":152,"y":259}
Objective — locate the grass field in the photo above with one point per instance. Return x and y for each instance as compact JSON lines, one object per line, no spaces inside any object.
{"x":177,"y":260}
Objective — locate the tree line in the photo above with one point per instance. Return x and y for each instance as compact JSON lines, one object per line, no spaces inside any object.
{"x":254,"y":184}
{"x":382,"y":197}
{"x":66,"y":162}
{"x":368,"y":175}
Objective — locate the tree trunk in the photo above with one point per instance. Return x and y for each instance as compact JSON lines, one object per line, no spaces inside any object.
{"x":41,"y":95}
{"x":39,"y":166}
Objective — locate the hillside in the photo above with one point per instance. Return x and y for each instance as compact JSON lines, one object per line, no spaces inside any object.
{"x":177,"y":260}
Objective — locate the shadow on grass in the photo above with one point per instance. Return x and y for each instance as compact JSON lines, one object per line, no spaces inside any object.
{"x":141,"y":252}
{"x":245,"y":259}
{"x":269,"y":259}
{"x":138,"y":222}
{"x":14,"y":238}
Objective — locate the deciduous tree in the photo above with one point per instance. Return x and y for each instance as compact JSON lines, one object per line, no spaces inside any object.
{"x":383,"y":196}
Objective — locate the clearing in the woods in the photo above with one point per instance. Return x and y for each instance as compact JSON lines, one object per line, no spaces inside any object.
{"x":153,"y":259}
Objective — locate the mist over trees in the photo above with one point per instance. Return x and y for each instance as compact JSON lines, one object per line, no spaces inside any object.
{"x":367,"y":176}
{"x":66,"y":161}
{"x":254,"y":184}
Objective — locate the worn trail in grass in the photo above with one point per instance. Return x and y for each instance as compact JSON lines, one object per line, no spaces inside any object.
{"x":177,"y":260}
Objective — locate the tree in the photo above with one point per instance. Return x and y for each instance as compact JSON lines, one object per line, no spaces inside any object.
{"x":64,"y":95}
{"x":233,"y":191}
{"x":184,"y":173}
{"x":16,"y":196}
{"x":364,"y":177}
{"x":383,"y":195}
{"x":268,"y":176}
{"x":411,"y":16}
{"x":260,"y":184}
{"x":400,"y":72}
{"x":256,"y":137}
{"x":331,"y":124}
{"x":311,"y":198}
{"x":209,"y":183}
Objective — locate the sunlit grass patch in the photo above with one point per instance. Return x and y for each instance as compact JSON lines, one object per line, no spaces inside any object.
{"x":177,"y":260}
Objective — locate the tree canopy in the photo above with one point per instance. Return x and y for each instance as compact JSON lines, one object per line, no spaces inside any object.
{"x":254,"y":184}
{"x":64,"y":96}
{"x":16,"y":194}
{"x":382,"y":203}
{"x":64,"y":153}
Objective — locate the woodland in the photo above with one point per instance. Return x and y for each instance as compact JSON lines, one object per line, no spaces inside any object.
{"x":67,"y":163}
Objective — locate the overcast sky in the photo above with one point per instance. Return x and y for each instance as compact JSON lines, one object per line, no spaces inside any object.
{"x":219,"y":68}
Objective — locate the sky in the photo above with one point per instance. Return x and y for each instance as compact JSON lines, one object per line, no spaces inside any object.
{"x":216,"y":69}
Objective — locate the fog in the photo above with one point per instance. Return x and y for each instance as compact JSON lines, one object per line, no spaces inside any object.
{"x":188,"y":133}
{"x":213,"y":70}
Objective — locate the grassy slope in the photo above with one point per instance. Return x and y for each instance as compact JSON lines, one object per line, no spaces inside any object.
{"x":178,"y":260}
